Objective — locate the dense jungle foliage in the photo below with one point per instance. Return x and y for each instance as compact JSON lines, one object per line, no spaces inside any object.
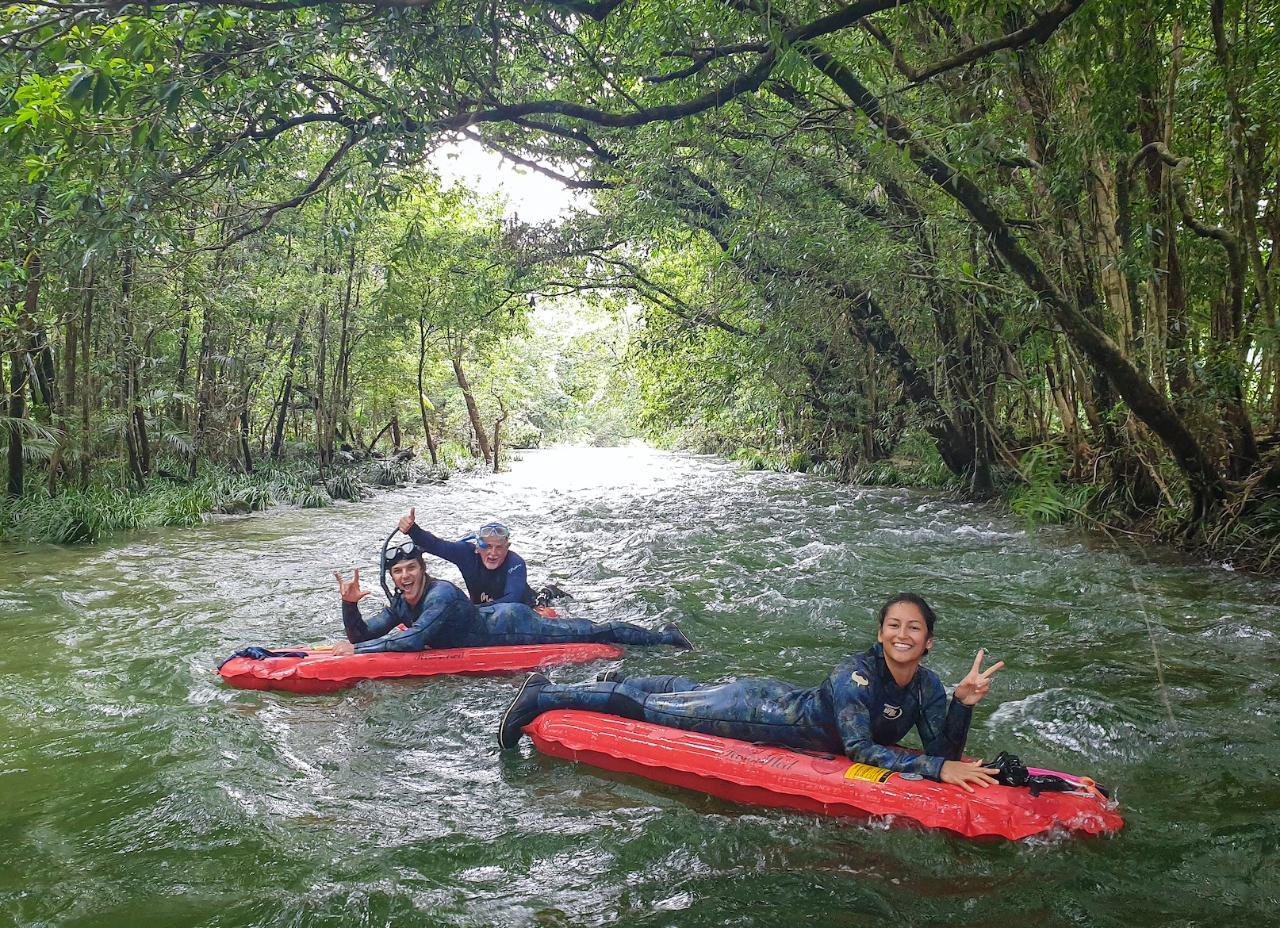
{"x":1029,"y":246}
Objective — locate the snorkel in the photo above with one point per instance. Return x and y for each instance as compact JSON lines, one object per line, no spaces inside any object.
{"x":382,"y":565}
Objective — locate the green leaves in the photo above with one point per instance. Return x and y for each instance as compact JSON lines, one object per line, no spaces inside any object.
{"x":104,"y":89}
{"x":1046,"y":497}
{"x":78,"y":91}
{"x":169,"y":96}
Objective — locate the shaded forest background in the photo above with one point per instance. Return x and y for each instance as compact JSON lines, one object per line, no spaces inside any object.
{"x":1011,"y":247}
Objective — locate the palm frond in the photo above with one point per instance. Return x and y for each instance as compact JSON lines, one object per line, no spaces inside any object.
{"x":29,"y":429}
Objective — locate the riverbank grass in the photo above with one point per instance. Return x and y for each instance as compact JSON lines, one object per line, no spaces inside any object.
{"x":84,"y":515}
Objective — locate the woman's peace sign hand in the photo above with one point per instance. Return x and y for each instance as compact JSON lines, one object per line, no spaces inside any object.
{"x":350,"y":589}
{"x":973,"y":687}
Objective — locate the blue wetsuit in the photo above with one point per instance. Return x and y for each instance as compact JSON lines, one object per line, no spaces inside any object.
{"x":508,"y":583}
{"x":445,"y":618}
{"x":859,"y":711}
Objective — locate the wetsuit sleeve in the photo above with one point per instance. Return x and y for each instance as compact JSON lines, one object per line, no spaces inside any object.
{"x":455,"y":552}
{"x":517,"y":582}
{"x":943,"y":728}
{"x":418,"y":636}
{"x":359,"y":630}
{"x":853,"y":704}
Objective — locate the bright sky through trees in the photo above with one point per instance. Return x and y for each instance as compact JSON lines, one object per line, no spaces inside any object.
{"x":529,"y":195}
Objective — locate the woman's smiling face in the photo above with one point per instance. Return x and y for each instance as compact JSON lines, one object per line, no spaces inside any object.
{"x":904,"y":633}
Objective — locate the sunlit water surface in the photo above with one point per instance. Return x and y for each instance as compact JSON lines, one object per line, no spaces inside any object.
{"x":135,"y":790}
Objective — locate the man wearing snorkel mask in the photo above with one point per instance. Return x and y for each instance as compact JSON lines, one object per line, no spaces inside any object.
{"x":492,"y":572}
{"x":431,"y":613}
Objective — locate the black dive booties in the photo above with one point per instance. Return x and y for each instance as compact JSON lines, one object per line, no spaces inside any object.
{"x":676,"y":638}
{"x":522,"y":711}
{"x":610,"y":676}
{"x":549,"y":594}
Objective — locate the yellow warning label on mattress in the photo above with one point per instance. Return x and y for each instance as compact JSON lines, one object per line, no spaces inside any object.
{"x":867,"y":772}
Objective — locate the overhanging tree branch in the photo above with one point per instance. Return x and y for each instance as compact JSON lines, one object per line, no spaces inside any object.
{"x":316,"y":183}
{"x":1149,"y":405}
{"x":673,"y":304}
{"x":1038,"y":31}
{"x":564,"y":179}
{"x":703,"y":58}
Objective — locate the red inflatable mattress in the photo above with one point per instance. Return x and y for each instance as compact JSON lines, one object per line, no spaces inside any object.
{"x":324,"y":672}
{"x":769,"y":776}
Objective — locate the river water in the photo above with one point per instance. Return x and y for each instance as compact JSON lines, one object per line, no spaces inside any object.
{"x":135,"y":790}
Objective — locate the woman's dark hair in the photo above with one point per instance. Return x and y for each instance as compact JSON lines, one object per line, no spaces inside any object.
{"x":918,"y":601}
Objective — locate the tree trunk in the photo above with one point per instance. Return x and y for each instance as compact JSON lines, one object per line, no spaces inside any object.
{"x":341,"y":376}
{"x":18,"y":372}
{"x":204,"y":374}
{"x":1107,"y":255}
{"x":286,"y":391}
{"x":44,"y":383}
{"x":140,"y":430}
{"x":422,"y":392}
{"x":1067,"y":413}
{"x":497,"y":429}
{"x":135,"y":463}
{"x":70,"y":352}
{"x":472,"y":411}
{"x":268,"y":425}
{"x":136,"y":439}
{"x":178,"y":410}
{"x":70,"y":359}
{"x":244,"y":432}
{"x":869,"y":383}
{"x":17,"y":412}
{"x":382,"y":431}
{"x":87,"y":397}
{"x":323,"y":447}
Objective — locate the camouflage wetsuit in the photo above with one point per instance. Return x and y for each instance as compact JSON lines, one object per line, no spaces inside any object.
{"x":445,"y":618}
{"x":858,"y":710}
